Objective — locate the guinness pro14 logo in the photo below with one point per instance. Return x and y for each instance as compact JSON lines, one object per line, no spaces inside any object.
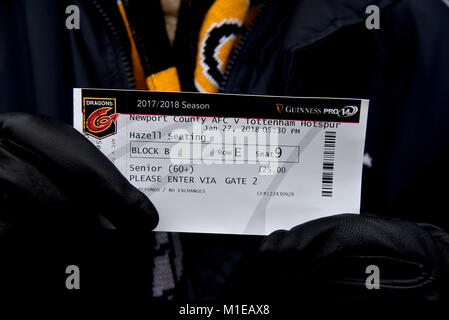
{"x":100,"y":117}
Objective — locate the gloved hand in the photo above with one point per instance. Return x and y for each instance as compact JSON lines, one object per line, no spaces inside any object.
{"x":52,"y":177}
{"x":55,"y":190}
{"x":327,"y":260}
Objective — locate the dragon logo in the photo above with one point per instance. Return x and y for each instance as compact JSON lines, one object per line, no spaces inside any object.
{"x":100,"y":117}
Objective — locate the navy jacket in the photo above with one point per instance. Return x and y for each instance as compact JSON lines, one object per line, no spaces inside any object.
{"x":302,"y":48}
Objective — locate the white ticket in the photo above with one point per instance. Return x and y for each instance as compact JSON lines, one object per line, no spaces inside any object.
{"x":237,"y":164}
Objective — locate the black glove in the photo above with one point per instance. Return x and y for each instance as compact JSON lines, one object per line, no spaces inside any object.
{"x":56,"y":189}
{"x":51,"y":176}
{"x":327,"y":260}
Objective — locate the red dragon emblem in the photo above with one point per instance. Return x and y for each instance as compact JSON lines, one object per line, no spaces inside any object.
{"x":98,"y":121}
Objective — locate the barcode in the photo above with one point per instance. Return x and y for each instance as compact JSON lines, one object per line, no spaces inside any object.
{"x":327,"y":183}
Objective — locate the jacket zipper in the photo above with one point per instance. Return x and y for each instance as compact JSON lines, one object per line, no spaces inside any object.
{"x":236,"y":51}
{"x":125,"y":58}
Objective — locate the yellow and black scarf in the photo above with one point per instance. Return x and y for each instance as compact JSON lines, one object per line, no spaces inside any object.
{"x":204,"y":41}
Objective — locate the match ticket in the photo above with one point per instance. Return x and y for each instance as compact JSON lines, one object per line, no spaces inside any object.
{"x":225,"y":163}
